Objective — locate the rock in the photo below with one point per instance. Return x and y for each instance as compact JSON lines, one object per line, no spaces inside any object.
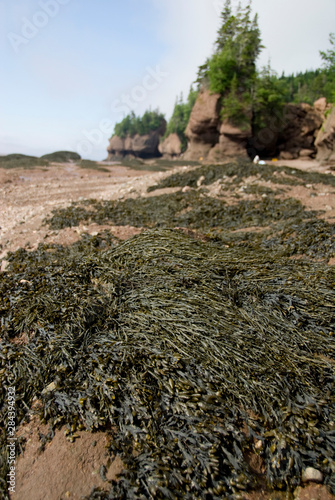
{"x":286,"y":155}
{"x":200,"y":180}
{"x":325,"y":140}
{"x":303,"y":153}
{"x":311,"y":474}
{"x":202,"y":129}
{"x":197,"y":151}
{"x":301,"y":123}
{"x":171,"y":146}
{"x":4,"y":264}
{"x":320,"y":105}
{"x":259,"y":445}
{"x":313,"y":492}
{"x":138,"y":146}
{"x":49,"y":388}
{"x":204,"y":119}
{"x":232,"y":142}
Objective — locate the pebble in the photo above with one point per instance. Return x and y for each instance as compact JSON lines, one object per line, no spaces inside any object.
{"x":4,"y":264}
{"x":311,"y":474}
{"x":200,"y":180}
{"x":259,"y":445}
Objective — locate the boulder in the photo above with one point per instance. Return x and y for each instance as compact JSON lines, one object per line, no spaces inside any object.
{"x":171,"y":146}
{"x":300,"y":126}
{"x":325,"y":140}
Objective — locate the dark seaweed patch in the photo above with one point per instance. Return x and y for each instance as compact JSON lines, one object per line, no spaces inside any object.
{"x":235,"y":172}
{"x":177,"y":345}
{"x":191,"y":209}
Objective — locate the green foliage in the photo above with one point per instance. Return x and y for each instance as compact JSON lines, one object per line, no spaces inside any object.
{"x":180,"y":117}
{"x":22,"y":161}
{"x":329,"y":55}
{"x":306,"y":86}
{"x":231,"y":71}
{"x":132,"y":124}
{"x":237,"y":48}
{"x":237,"y":108}
{"x":268,"y":99}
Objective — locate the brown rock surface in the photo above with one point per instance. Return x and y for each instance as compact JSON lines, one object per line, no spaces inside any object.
{"x":301,"y":123}
{"x":63,"y":469}
{"x":325,"y":140}
{"x":232,"y":143}
{"x":202,"y":129}
{"x":171,"y":146}
{"x":141,"y":146}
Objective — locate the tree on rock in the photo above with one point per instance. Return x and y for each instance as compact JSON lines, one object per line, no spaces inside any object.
{"x":231,"y":71}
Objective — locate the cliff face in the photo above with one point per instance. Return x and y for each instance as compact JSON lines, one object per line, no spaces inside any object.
{"x":139,"y":146}
{"x":291,"y":136}
{"x":208,"y":137}
{"x":302,"y":132}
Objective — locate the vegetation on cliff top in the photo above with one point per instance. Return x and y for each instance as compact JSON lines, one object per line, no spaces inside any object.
{"x":141,"y":125}
{"x":250,"y":96}
{"x":180,"y":117}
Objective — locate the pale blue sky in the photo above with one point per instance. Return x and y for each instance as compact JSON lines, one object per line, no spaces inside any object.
{"x":71,"y":69}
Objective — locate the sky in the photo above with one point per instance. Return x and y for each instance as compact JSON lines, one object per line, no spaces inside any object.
{"x":71,"y":69}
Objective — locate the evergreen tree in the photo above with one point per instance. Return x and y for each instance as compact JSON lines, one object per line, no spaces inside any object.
{"x":231,"y":71}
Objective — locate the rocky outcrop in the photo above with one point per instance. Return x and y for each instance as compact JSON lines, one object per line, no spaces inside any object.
{"x":325,"y":140}
{"x":232,"y":143}
{"x":202,"y":129}
{"x":138,"y":146}
{"x":300,"y":125}
{"x":208,"y":138}
{"x":292,"y":135}
{"x":171,"y":146}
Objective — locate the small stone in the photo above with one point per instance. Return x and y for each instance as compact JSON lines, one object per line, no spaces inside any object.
{"x":311,"y":474}
{"x":49,"y":388}
{"x":258,"y":445}
{"x":200,"y":180}
{"x":4,"y":264}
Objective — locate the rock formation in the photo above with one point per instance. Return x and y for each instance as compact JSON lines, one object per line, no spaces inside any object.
{"x":171,"y":146}
{"x":325,"y":140}
{"x":209,"y":138}
{"x":301,"y":123}
{"x":232,"y":143}
{"x":138,"y":146}
{"x":202,"y":130}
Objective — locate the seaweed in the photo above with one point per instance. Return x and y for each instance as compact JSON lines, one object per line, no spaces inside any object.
{"x":174,"y":347}
{"x":192,"y":209}
{"x":22,"y":161}
{"x":236,"y":171}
